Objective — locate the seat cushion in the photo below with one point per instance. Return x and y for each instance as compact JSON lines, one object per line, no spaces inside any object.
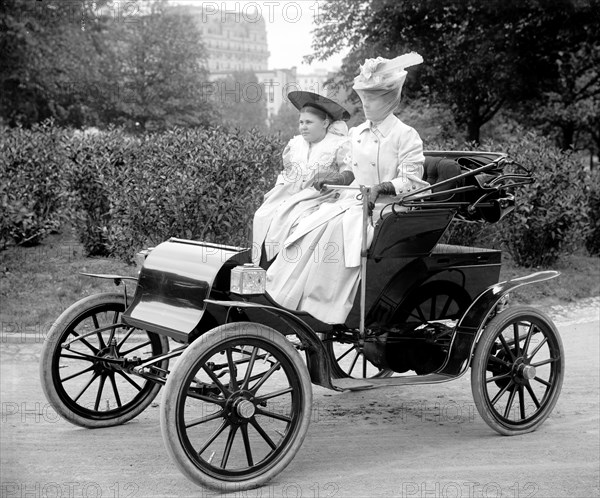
{"x":438,"y":169}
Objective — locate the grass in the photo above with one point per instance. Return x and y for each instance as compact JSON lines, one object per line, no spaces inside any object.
{"x":38,"y":283}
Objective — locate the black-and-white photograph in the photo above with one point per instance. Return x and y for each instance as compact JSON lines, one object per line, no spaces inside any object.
{"x":312,"y":248}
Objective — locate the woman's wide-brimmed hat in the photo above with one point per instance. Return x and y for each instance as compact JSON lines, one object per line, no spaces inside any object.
{"x":385,"y":74}
{"x":299,"y":99}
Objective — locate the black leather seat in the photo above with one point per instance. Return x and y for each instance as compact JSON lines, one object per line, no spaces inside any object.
{"x":438,"y":169}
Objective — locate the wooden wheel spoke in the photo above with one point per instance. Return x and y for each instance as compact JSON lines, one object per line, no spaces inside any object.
{"x":217,"y":382}
{"x":542,"y":381}
{"x":506,"y":347}
{"x":278,"y":416}
{"x":265,"y":377}
{"x":446,"y":307}
{"x":532,"y":395}
{"x":139,"y":346}
{"x":232,"y":370}
{"x":250,"y":367}
{"x":509,"y":403}
{"x":130,"y":380}
{"x":115,"y":389}
{"x":244,"y":429}
{"x":228,"y":445}
{"x":127,"y":335}
{"x":263,"y":434}
{"x":85,"y":388}
{"x":528,"y":339}
{"x":205,"y":419}
{"x":344,"y":354}
{"x":275,"y":394}
{"x":495,"y":359}
{"x":98,"y":334}
{"x":94,"y":349}
{"x":420,"y":313}
{"x":537,"y":349}
{"x":545,"y":362}
{"x":500,"y":393}
{"x":80,"y":357}
{"x":353,"y":364}
{"x":213,"y":436}
{"x":497,"y":377}
{"x":99,"y":395}
{"x":433,"y":302}
{"x":81,"y":372}
{"x":517,"y":338}
{"x":207,"y":399}
{"x":522,"y":401}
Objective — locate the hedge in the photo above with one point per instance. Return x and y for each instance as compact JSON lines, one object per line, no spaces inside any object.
{"x":124,"y":193}
{"x":202,"y":184}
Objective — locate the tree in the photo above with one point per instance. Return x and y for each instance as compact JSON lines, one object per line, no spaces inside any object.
{"x":240,"y":101}
{"x":285,"y":122}
{"x":158,"y":66}
{"x":479,"y":56}
{"x":46,"y":54}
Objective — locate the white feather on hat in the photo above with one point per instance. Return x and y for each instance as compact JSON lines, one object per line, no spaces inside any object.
{"x":385,"y":74}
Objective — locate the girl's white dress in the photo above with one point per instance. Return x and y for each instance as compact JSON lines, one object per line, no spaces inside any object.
{"x":293,"y":196}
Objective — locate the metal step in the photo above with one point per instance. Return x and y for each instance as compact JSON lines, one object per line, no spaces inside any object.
{"x":349,"y":384}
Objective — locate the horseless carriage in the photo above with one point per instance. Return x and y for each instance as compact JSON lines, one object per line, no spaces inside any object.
{"x":237,"y":402}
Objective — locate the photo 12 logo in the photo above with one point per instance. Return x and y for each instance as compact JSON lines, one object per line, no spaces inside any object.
{"x":253,"y":12}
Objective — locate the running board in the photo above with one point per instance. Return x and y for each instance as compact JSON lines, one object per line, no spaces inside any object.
{"x":349,"y":384}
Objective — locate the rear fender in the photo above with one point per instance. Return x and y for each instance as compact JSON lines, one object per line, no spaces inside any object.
{"x":317,"y":358}
{"x":471,"y":325}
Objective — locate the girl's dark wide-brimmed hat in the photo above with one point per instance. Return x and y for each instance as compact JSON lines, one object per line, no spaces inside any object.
{"x":335,"y":110}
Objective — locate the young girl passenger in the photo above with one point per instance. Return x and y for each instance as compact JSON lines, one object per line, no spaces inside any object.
{"x":320,"y":154}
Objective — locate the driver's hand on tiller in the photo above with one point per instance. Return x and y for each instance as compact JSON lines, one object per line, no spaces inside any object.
{"x":384,"y":188}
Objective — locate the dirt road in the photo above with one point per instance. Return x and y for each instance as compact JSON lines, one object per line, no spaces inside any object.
{"x":426,"y":441}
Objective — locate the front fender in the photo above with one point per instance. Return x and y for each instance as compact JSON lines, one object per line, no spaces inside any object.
{"x":174,"y":281}
{"x":317,"y":358}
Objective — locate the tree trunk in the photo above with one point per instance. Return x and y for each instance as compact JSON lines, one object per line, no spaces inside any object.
{"x":473,"y":130}
{"x":568,"y":134}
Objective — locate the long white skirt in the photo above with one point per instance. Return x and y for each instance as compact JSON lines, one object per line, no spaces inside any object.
{"x":318,"y":270}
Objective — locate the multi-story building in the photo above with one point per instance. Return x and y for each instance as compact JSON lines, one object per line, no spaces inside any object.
{"x":234,"y":40}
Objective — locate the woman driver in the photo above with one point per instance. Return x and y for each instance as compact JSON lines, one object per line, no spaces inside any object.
{"x":318,"y":269}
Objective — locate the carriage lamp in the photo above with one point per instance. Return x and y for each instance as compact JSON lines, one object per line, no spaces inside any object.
{"x":248,"y":279}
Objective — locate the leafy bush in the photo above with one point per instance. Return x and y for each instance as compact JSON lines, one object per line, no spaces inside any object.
{"x":202,"y":184}
{"x":551,"y":214}
{"x":94,"y":161}
{"x":33,"y":193}
{"x":550,"y":217}
{"x":593,"y":239}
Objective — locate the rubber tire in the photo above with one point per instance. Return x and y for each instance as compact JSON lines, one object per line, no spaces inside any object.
{"x":478,"y":369}
{"x":172,"y":398}
{"x":51,"y":348}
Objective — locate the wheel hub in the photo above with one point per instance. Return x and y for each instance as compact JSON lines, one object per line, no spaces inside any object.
{"x":526,"y":371}
{"x":244,"y":409}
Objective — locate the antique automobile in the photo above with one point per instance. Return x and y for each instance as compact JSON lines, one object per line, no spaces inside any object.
{"x":237,"y":402}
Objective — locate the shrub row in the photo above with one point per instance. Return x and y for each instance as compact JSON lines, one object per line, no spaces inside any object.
{"x":33,"y":189}
{"x":125,"y":193}
{"x":202,"y":184}
{"x":552,"y":215}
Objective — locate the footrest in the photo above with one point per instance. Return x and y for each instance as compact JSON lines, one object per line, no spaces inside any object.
{"x":349,"y":384}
